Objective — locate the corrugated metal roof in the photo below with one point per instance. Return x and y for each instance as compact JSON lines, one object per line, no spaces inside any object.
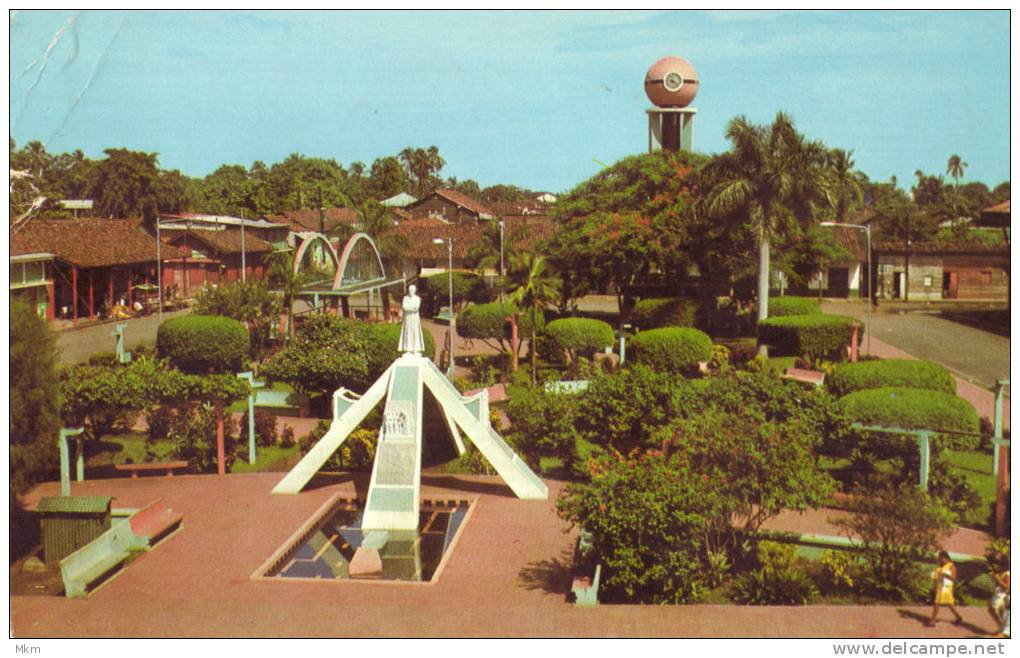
{"x":75,"y":504}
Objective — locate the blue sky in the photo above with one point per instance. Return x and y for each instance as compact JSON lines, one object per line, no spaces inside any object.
{"x":528,"y":98}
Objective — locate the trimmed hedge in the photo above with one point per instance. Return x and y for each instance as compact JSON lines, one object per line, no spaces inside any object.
{"x":810,"y":336}
{"x":659,"y":312}
{"x":847,"y":378}
{"x":911,"y":408}
{"x":488,"y":321}
{"x":580,"y":336}
{"x":200,"y":344}
{"x":787,"y":306}
{"x":670,"y":349}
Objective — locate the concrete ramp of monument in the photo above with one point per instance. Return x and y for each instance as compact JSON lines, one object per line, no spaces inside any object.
{"x":394,"y":494}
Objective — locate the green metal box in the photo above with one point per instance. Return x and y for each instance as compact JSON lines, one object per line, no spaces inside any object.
{"x":70,"y":522}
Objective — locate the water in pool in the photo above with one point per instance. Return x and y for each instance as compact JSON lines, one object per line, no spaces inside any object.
{"x":411,"y":556}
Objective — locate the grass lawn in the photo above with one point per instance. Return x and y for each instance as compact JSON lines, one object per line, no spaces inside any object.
{"x":267,"y":458}
{"x":125,"y":448}
{"x":976,"y":467}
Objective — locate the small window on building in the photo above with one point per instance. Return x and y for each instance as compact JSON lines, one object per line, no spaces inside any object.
{"x":927,"y":282}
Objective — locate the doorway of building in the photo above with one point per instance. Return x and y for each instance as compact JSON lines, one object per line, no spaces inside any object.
{"x":839,"y":282}
{"x":897,"y":285}
{"x":950,"y":285}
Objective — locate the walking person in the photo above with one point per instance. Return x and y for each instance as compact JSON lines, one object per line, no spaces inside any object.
{"x":998,"y":605}
{"x":945,"y":579}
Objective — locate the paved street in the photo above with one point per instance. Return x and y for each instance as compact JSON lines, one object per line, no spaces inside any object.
{"x":976,"y":355}
{"x":78,"y":344}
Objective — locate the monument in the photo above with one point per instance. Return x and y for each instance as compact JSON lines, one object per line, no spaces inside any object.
{"x":671,"y":84}
{"x":394,"y":494}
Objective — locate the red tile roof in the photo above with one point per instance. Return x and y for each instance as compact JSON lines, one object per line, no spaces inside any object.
{"x":853,"y":240}
{"x":1002,"y":207}
{"x":308,"y":220}
{"x":90,"y":242}
{"x":524,"y":233}
{"x":227,"y":241}
{"x":456,"y":198}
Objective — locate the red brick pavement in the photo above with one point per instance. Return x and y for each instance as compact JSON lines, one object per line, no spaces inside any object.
{"x":507,"y":576}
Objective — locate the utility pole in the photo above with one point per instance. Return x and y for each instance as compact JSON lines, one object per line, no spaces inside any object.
{"x":244,"y":262}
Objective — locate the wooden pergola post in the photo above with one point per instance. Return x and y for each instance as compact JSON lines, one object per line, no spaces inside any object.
{"x":221,"y":468}
{"x":74,"y":294}
{"x":92,"y":295}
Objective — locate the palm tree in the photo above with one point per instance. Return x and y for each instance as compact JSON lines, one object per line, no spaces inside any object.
{"x":771,"y":172}
{"x":955,"y":167}
{"x":375,"y":220}
{"x":284,"y":279}
{"x":842,"y":183}
{"x":536,"y":288}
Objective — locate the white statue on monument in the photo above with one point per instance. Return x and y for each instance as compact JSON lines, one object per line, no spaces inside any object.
{"x":411,"y":338}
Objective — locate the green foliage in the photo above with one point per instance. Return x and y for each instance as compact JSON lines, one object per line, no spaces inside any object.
{"x":34,"y":398}
{"x":786,"y":306}
{"x":760,"y":467}
{"x":810,"y":336}
{"x":580,"y":336}
{"x":542,"y":425}
{"x":130,"y":184}
{"x":850,"y":377}
{"x":329,"y":352}
{"x":838,"y":569}
{"x":778,"y":581}
{"x":265,"y":428}
{"x":911,"y":408}
{"x":676,"y":350}
{"x":488,"y":322}
{"x":193,"y":436}
{"x":624,"y":410}
{"x":898,"y":525}
{"x":324,"y":355}
{"x":647,"y":517}
{"x":666,"y":312}
{"x":200,"y":344}
{"x":249,"y":302}
{"x":435,"y":290}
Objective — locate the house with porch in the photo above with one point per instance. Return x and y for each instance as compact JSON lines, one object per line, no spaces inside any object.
{"x":449,"y":206}
{"x":76,"y":268}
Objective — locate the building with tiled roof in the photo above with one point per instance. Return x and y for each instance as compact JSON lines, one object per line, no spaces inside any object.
{"x":934,"y":271}
{"x":330,"y":220}
{"x":450,"y":206}
{"x":73,"y":268}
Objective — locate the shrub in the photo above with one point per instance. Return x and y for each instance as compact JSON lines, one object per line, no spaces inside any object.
{"x":193,"y":436}
{"x":580,"y":336}
{"x":811,"y":336}
{"x":287,"y":437}
{"x":786,"y":306}
{"x":543,"y":424}
{"x":850,"y":377}
{"x":435,"y":290}
{"x":647,"y":517}
{"x":624,"y":410}
{"x":202,"y":344}
{"x":160,"y":419}
{"x":665,"y":312}
{"x":265,"y":428}
{"x":914,"y":408}
{"x":250,"y":302}
{"x":777,"y":582}
{"x":488,"y":322}
{"x":898,"y":526}
{"x":838,"y":569}
{"x":107,"y":359}
{"x":675,"y":350}
{"x":380,"y":343}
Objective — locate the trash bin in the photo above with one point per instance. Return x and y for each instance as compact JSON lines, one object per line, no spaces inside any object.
{"x":70,"y":522}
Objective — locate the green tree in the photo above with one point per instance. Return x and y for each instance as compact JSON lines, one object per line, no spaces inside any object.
{"x":535,"y":288}
{"x":955,"y":167}
{"x":376,"y":220}
{"x":249,"y":302}
{"x":422,"y":167}
{"x":841,"y":183}
{"x":34,"y":397}
{"x":387,"y":178}
{"x":129,"y":184}
{"x":289,"y":283}
{"x":772,"y":178}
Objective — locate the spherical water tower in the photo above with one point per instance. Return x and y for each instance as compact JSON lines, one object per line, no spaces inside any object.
{"x":671,"y":84}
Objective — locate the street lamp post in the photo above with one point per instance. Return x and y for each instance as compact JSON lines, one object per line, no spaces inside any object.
{"x":453,"y":328}
{"x":159,"y":273}
{"x":501,"y":274}
{"x":867,"y":232}
{"x":244,"y":264}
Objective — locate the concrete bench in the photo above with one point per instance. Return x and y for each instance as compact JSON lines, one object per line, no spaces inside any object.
{"x":88,"y":565}
{"x":169,"y":467}
{"x":153,"y":523}
{"x":813,"y":377}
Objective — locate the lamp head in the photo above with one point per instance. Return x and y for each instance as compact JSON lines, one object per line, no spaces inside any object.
{"x":438,"y":241}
